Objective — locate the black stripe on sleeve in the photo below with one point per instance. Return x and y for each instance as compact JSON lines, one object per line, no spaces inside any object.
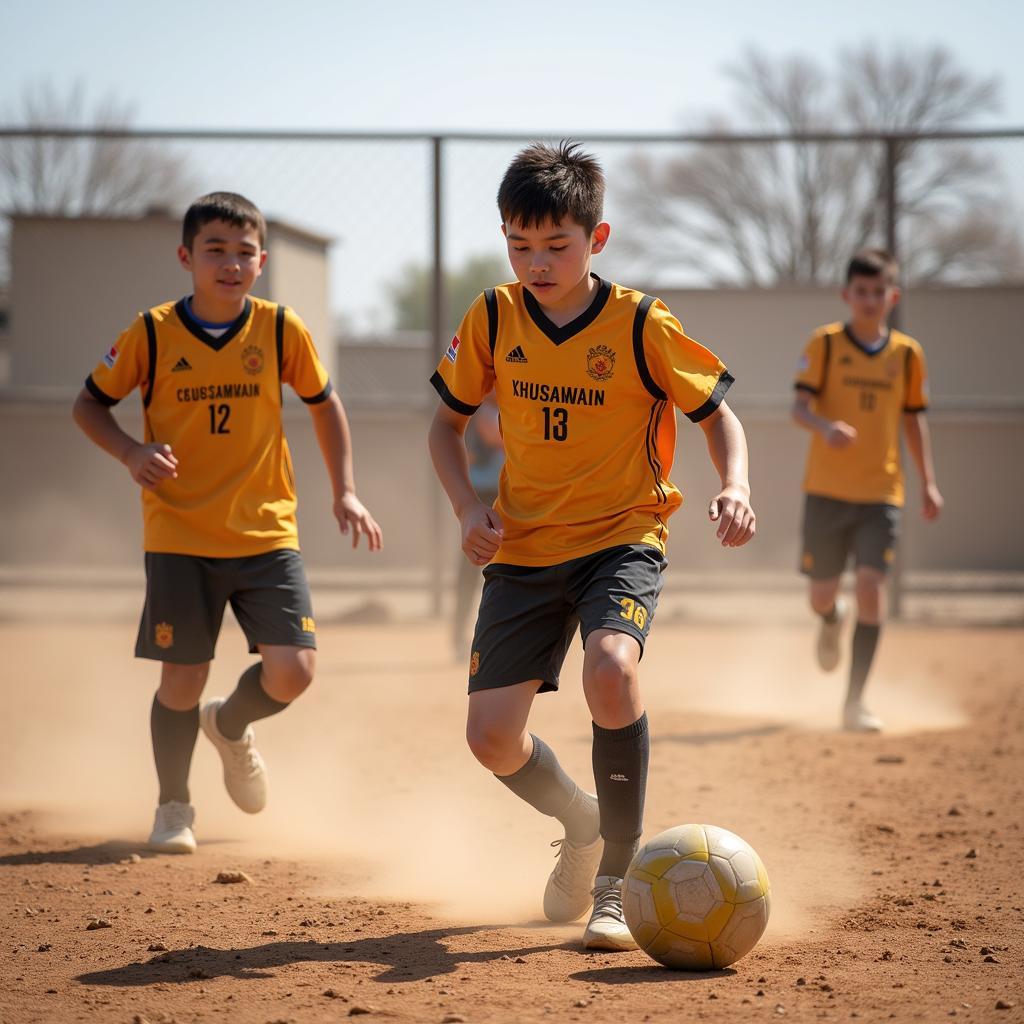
{"x":907,"y":360}
{"x":151,"y":350}
{"x":915,"y":408}
{"x":639,"y":356}
{"x":321,"y":397}
{"x":449,"y":399}
{"x":799,"y":386}
{"x":99,"y":394}
{"x":824,"y":363}
{"x":492,"y":319}
{"x":279,"y":346}
{"x":714,"y":400}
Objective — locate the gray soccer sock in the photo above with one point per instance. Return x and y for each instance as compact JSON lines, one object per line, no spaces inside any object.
{"x":249,"y":703}
{"x":543,"y":784}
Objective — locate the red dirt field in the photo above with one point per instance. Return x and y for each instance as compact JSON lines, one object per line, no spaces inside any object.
{"x":392,"y":878}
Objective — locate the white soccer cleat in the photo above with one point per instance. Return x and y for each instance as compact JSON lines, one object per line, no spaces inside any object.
{"x":245,"y":774}
{"x":829,"y":634}
{"x":567,"y":894}
{"x":607,"y":927}
{"x":172,"y":828}
{"x":857,"y":718}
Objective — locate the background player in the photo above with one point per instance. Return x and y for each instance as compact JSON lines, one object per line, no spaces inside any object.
{"x":587,"y":376}
{"x":857,"y":382}
{"x":219,"y":498}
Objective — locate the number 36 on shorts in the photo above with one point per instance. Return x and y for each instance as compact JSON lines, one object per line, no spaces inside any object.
{"x":633,"y":611}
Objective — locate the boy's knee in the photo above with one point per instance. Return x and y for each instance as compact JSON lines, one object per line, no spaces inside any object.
{"x":823,"y":595}
{"x":490,"y":743}
{"x":285,"y":678}
{"x":870,"y":595}
{"x":181,"y":686}
{"x":610,"y":683}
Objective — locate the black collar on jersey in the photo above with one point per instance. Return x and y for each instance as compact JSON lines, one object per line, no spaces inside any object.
{"x":181,"y":308}
{"x":867,"y":351}
{"x":573,"y":327}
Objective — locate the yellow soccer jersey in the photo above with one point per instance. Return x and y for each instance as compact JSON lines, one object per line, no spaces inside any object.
{"x":870,"y":391}
{"x":217,"y":403}
{"x":586,"y":415}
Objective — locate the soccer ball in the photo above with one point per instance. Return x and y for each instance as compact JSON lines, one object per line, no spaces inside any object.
{"x":696,"y":898}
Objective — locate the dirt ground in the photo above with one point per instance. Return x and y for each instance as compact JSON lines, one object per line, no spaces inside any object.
{"x":392,"y":878}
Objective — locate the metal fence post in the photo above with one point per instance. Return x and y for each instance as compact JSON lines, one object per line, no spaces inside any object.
{"x":437,"y":336}
{"x":891,"y":202}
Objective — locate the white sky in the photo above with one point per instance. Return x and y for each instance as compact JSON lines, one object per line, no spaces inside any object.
{"x":545,"y":69}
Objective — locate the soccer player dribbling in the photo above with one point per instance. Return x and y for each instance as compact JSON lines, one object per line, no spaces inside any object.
{"x":218,"y":499}
{"x":587,"y":376}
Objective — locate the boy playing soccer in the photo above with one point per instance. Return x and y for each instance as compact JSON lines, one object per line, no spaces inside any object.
{"x":856,"y":383}
{"x":587,"y":376}
{"x":218,"y":498}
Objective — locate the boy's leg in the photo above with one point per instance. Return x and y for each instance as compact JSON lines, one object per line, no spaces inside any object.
{"x":827,"y":538}
{"x":875,"y":547}
{"x":617,"y":594}
{"x":266,"y":687}
{"x":523,"y":631}
{"x":174,"y":725}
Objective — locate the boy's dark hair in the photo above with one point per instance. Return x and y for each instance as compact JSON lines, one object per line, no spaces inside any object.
{"x":227,"y":206}
{"x":873,"y":263}
{"x":551,"y":183}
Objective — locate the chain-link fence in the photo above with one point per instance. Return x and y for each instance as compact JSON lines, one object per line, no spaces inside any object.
{"x":720,"y":223}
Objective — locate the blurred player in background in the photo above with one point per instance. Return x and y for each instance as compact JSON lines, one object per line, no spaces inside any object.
{"x":486,"y":457}
{"x":218,"y":499}
{"x":587,"y":376}
{"x":857,"y":383}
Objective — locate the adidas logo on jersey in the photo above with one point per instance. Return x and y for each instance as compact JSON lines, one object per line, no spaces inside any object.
{"x":517,"y":355}
{"x":181,"y":364}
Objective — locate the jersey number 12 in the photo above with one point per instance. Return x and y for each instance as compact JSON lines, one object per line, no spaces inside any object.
{"x":219,"y":418}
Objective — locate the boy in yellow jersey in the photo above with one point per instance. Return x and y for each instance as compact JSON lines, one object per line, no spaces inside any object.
{"x":856,"y":384}
{"x":587,"y":376}
{"x":218,"y":498}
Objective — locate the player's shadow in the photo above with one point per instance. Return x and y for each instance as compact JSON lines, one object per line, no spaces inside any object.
{"x":700,"y":739}
{"x":639,"y":974}
{"x":110,"y":852}
{"x":405,"y":957}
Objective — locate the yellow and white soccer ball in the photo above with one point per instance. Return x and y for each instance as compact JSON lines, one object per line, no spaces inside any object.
{"x":696,"y":897}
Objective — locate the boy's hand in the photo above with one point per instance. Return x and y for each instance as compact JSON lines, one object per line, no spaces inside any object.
{"x":150,"y":464}
{"x":932,"y":502}
{"x":352,"y":514}
{"x":482,"y":531}
{"x":840,"y":434}
{"x":736,"y":520}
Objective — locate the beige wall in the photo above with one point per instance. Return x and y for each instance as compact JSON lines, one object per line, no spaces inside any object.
{"x":74,"y":504}
{"x":78,"y":282}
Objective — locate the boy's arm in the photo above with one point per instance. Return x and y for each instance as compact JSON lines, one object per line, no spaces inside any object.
{"x":335,"y":440}
{"x":481,"y":525}
{"x":730,"y":508}
{"x":149,"y":464}
{"x":837,"y":433}
{"x":919,"y":443}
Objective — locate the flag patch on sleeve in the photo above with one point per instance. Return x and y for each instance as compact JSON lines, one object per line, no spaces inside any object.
{"x":452,"y":352}
{"x":110,"y":358}
{"x":803,"y":363}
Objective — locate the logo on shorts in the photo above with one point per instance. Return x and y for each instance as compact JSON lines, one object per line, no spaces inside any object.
{"x":308,"y":624}
{"x":601,"y":362}
{"x":252,"y":359}
{"x":163,"y":635}
{"x":452,"y":352}
{"x":888,"y":555}
{"x":807,"y":561}
{"x":474,"y":663}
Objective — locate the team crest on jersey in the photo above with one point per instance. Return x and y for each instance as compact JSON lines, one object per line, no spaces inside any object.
{"x":252,"y":359}
{"x":452,"y":352}
{"x":110,"y":358}
{"x":601,"y":362}
{"x":474,"y":663}
{"x":163,"y":635}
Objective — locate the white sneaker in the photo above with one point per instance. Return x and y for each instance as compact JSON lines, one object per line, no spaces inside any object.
{"x":245,"y":774}
{"x":829,"y":634}
{"x":172,"y":828}
{"x":607,"y":926}
{"x":857,"y":718}
{"x":567,"y":894}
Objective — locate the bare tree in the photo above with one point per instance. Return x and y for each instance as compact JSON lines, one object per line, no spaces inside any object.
{"x":784,"y":213}
{"x":83,"y":176}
